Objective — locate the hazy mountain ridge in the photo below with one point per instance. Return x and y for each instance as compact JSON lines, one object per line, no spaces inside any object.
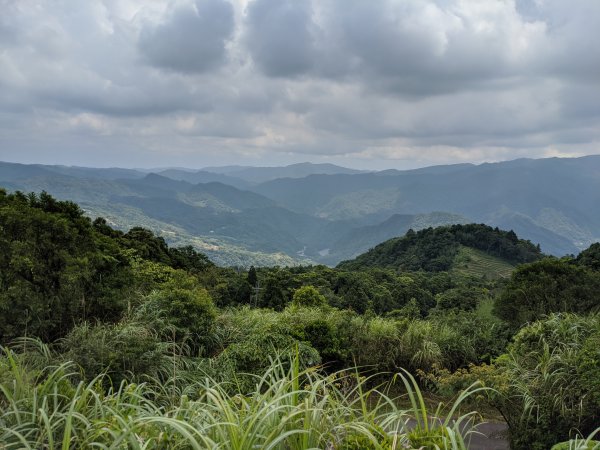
{"x":325,"y":218}
{"x":262,"y":174}
{"x":203,"y":176}
{"x":489,"y":193}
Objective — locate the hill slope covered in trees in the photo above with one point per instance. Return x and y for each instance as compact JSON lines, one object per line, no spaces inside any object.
{"x":437,"y":249}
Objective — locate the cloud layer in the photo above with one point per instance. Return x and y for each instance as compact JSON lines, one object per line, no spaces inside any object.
{"x":393,"y":83}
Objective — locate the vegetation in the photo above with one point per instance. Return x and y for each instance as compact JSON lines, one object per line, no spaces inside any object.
{"x":476,"y":263}
{"x":437,"y":249}
{"x":548,"y":286}
{"x":115,"y":340}
{"x":330,"y":217}
{"x":288,"y":408}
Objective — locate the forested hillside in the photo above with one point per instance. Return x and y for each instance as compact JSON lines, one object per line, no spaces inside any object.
{"x":115,"y":337}
{"x":437,"y":249}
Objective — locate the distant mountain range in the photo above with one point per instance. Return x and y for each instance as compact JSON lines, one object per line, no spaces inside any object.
{"x":244,"y":176}
{"x":262,"y":174}
{"x":322,"y":213}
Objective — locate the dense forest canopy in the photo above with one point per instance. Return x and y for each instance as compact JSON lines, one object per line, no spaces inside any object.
{"x":435,"y":249}
{"x":123,"y":307}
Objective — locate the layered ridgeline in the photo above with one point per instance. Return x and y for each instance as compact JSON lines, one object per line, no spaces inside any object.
{"x":470,"y":249}
{"x":234,"y":227}
{"x":554,"y":202}
{"x":321,"y":213}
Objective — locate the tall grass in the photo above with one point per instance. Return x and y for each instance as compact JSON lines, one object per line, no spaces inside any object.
{"x":580,"y":443}
{"x":288,"y":408}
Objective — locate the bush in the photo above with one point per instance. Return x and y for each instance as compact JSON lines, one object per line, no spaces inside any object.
{"x":376,"y":343}
{"x":123,"y":351}
{"x":180,"y":315}
{"x":326,"y":330}
{"x":554,"y":368}
{"x":249,"y":339}
{"x":461,"y":298}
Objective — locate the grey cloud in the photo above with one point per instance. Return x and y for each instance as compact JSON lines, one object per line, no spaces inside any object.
{"x":529,"y":9}
{"x":191,"y":39}
{"x":138,"y":101}
{"x":580,"y":102}
{"x":279,"y":36}
{"x":417,"y":48}
{"x":410,"y":47}
{"x":573,"y":34}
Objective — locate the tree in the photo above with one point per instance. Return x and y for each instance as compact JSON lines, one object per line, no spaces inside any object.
{"x":189,"y":259}
{"x":252,"y":276}
{"x":590,"y":257}
{"x":548,"y":286}
{"x":55,"y":269}
{"x":462,"y":297}
{"x":308,"y":296}
{"x":273,"y":295}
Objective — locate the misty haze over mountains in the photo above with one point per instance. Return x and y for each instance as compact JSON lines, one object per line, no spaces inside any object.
{"x":322,"y":213}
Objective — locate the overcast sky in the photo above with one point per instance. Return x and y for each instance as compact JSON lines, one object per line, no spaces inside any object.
{"x":362,"y":83}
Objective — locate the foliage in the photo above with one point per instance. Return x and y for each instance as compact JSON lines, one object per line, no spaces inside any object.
{"x":123,"y":351}
{"x":590,"y":257}
{"x":435,"y":249}
{"x":554,"y":369}
{"x":548,"y":286}
{"x":324,"y":329}
{"x":461,"y":298}
{"x":289,"y":409}
{"x":546,"y":387}
{"x":580,"y":443}
{"x":120,"y":308}
{"x":180,"y":313}
{"x":275,"y":294}
{"x":189,"y":259}
{"x":308,"y":296}
{"x":252,"y":276}
{"x":58,"y":269}
{"x":54,"y":270}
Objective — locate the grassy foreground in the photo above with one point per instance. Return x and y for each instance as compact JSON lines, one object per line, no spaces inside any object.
{"x":289,"y":409}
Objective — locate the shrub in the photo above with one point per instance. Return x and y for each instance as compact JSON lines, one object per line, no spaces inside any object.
{"x":554,"y":367}
{"x":325,"y":329}
{"x":288,"y":409}
{"x":124,"y":351}
{"x":376,"y":343}
{"x":249,"y":339}
{"x":180,"y":315}
{"x":461,"y":298}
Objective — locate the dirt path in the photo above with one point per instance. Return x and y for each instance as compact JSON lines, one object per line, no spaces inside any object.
{"x":489,"y":436}
{"x":494,"y":436}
